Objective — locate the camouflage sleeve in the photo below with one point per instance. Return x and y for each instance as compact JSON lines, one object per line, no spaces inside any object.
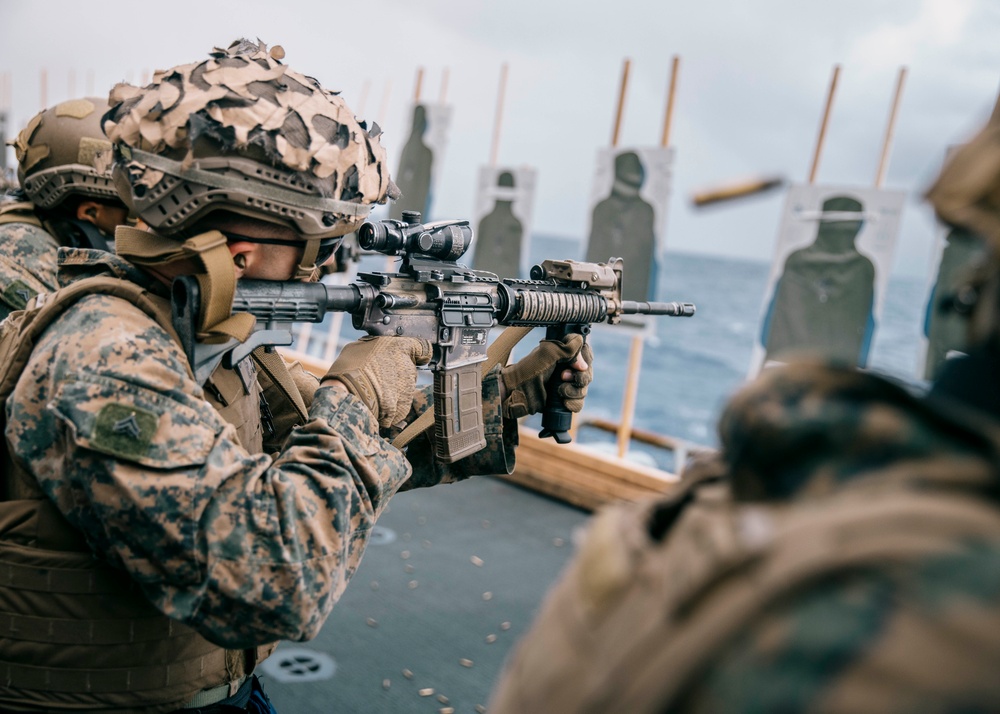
{"x":27,"y":265}
{"x":244,"y":548}
{"x":920,"y":638}
{"x":496,"y":458}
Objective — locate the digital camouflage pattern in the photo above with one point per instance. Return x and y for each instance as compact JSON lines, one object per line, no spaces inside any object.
{"x":246,"y":548}
{"x":28,"y":264}
{"x":918,"y":636}
{"x":841,"y":553}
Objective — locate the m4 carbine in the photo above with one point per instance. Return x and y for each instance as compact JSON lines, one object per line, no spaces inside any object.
{"x":434,"y":297}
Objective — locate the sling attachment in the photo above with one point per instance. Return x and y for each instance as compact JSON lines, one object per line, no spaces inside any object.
{"x":274,"y":367}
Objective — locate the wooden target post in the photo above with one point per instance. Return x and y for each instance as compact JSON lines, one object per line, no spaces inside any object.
{"x":495,"y":147}
{"x":390,"y":262}
{"x":498,"y":117}
{"x":824,"y":122}
{"x":635,"y":353}
{"x":363,"y":98}
{"x":418,"y":85}
{"x":624,"y":430}
{"x":890,"y":128}
{"x":383,"y":110}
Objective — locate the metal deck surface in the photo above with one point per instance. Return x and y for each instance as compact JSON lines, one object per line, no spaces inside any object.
{"x":451,"y":578}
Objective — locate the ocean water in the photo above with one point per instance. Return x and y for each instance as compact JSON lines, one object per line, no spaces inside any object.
{"x":691,"y":366}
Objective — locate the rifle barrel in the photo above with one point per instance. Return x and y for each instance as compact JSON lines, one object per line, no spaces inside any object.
{"x":674,"y":309}
{"x":272,"y":301}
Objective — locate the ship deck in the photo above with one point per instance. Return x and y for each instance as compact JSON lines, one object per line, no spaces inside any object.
{"x":452,"y":576}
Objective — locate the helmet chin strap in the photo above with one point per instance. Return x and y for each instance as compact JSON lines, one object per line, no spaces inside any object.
{"x":80,"y":234}
{"x":308,"y":271}
{"x":217,"y":281}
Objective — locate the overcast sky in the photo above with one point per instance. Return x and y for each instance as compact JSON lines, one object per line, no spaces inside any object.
{"x":754,"y":76}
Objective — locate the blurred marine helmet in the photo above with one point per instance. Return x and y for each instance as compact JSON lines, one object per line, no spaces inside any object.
{"x":56,"y":154}
{"x":967,"y":194}
{"x":242,"y":132}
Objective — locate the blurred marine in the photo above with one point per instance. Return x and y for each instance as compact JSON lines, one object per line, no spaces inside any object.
{"x":64,"y":199}
{"x":840,"y":553}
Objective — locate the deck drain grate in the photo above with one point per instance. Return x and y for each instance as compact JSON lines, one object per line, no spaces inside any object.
{"x":299,"y":664}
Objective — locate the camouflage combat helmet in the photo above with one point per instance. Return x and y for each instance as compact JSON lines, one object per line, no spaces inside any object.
{"x":56,"y":154}
{"x":967,"y":194}
{"x":242,"y":132}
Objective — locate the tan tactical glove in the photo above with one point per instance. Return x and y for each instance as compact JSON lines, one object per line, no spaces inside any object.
{"x":381,"y":372}
{"x":524,"y":381}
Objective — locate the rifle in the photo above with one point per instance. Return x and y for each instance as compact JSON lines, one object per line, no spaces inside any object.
{"x":453,"y":307}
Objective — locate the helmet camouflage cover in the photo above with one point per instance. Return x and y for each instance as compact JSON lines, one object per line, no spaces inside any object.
{"x":57,"y":150}
{"x":240,"y":131}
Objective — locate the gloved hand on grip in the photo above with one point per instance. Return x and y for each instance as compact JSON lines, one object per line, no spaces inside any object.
{"x":382,"y":372}
{"x":524,"y":382}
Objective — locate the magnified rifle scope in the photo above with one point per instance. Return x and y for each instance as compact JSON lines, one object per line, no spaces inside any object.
{"x":444,"y":240}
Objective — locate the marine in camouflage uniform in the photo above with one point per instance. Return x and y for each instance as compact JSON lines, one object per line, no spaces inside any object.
{"x":162,"y":530}
{"x":840,"y":553}
{"x":63,"y":199}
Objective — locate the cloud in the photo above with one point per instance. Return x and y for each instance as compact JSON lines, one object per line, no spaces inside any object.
{"x":753,"y":80}
{"x":938,"y":25}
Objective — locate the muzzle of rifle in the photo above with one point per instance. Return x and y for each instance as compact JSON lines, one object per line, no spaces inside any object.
{"x":673,"y":309}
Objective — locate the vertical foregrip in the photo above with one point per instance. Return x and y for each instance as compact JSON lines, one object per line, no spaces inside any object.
{"x":557,"y":420}
{"x":458,"y":413}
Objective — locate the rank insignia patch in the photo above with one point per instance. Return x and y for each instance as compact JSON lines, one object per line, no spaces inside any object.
{"x":124,"y":430}
{"x":17,"y":294}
